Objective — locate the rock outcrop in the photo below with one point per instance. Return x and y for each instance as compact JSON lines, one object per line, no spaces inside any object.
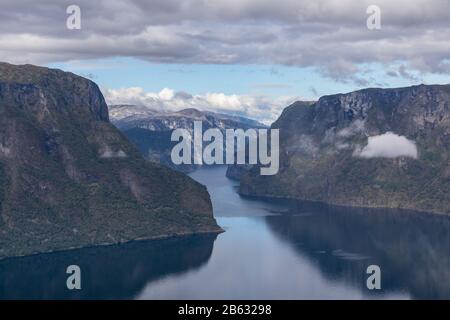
{"x":150,"y":130}
{"x":69,"y":178}
{"x":369,"y":148}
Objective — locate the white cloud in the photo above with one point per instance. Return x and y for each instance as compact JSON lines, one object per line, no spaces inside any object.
{"x":329,"y":35}
{"x":388,"y":145}
{"x":108,"y":153}
{"x":258,"y":107}
{"x":355,"y":127}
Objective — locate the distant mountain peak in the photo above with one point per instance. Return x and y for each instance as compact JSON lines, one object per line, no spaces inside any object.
{"x":151,"y":130}
{"x":133,"y":116}
{"x":190,"y":112}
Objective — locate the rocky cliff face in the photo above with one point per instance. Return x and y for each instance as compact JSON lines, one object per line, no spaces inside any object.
{"x":150,"y":130}
{"x":127,"y":117}
{"x":68,"y":178}
{"x":337,"y":151}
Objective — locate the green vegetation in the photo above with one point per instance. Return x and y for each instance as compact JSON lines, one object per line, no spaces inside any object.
{"x":318,"y":161}
{"x":62,"y":184}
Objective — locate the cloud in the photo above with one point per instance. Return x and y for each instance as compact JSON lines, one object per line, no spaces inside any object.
{"x":313,"y":91}
{"x":388,"y":145}
{"x":258,"y":107}
{"x":407,"y":75}
{"x":392,"y":73}
{"x":108,"y":153}
{"x":329,"y":35}
{"x":355,"y":127}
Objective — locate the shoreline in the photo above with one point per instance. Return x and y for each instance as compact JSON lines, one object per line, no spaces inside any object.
{"x":106,"y":244}
{"x":340,"y":205}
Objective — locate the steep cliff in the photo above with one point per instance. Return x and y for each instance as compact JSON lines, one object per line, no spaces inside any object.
{"x":346,"y":149}
{"x":150,"y":130}
{"x":69,"y":178}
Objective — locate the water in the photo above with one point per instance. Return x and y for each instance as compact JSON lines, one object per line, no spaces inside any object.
{"x":270,"y":250}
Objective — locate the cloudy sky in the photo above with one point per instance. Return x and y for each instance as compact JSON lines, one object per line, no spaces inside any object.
{"x":244,"y":56}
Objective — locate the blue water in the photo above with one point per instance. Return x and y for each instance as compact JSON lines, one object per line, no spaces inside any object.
{"x":270,"y":250}
{"x":311,"y":252}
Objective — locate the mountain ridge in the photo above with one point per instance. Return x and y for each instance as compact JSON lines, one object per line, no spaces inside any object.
{"x":131,"y":116}
{"x":320,"y":141}
{"x":150,"y":130}
{"x":69,"y":178}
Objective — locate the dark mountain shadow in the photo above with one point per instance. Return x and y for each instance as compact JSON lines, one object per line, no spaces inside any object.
{"x":110,"y":272}
{"x":412,"y":249}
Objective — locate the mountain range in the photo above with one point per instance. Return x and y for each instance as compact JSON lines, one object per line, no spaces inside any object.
{"x":150,"y":130}
{"x":368,"y":148}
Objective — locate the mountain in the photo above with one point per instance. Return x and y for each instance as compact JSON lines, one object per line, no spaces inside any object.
{"x":150,"y":130}
{"x":69,"y":178}
{"x":127,"y":117}
{"x":368,"y":148}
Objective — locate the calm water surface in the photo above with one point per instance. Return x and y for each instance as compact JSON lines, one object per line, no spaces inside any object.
{"x":270,"y":250}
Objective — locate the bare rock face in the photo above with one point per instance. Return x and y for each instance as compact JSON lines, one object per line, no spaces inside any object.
{"x":150,"y":130}
{"x":329,"y":150}
{"x":68,"y":178}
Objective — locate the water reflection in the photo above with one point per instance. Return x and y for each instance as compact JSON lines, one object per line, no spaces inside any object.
{"x":250,"y":262}
{"x":413,"y":250}
{"x":310,"y":251}
{"x":112,"y":272}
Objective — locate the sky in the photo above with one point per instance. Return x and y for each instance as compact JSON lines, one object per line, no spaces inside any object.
{"x":247,"y":57}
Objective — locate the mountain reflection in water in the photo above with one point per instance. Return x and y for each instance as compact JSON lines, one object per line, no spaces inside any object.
{"x":109,"y":272}
{"x":270,"y":250}
{"x":412,"y":249}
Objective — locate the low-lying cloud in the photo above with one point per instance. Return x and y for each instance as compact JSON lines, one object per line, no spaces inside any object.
{"x":388,"y":145}
{"x":108,"y":153}
{"x":259,"y":107}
